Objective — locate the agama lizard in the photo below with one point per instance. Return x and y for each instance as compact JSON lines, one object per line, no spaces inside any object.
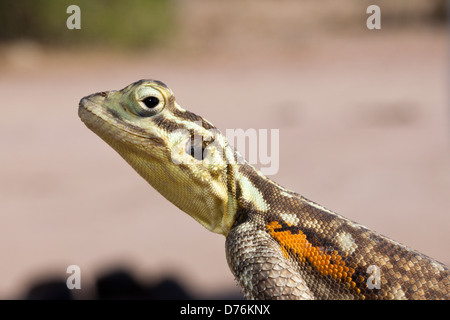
{"x":279,"y":245}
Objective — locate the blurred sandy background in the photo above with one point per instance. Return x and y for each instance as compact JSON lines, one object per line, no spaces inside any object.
{"x":363,"y":118}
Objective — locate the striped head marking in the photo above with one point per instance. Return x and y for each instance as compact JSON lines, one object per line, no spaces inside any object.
{"x":179,"y":153}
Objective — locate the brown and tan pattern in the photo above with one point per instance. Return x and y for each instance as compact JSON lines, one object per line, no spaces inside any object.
{"x":279,"y":245}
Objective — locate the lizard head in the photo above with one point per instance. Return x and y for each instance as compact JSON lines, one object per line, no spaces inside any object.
{"x":183,"y":156}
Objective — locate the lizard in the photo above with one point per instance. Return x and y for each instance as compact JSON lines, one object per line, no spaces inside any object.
{"x":279,"y":245}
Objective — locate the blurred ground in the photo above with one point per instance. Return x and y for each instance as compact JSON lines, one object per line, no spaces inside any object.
{"x":364,"y":131}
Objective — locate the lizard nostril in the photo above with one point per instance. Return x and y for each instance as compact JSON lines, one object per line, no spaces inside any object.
{"x":103,"y":94}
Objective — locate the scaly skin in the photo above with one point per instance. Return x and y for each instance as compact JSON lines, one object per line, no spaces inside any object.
{"x":279,"y":245}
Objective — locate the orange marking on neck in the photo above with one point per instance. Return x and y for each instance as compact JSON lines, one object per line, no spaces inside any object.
{"x":326,"y":263}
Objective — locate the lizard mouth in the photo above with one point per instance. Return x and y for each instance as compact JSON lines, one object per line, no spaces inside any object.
{"x":197,"y":145}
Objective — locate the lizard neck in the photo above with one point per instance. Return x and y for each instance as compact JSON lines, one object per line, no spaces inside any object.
{"x":255,"y":192}
{"x":259,"y":196}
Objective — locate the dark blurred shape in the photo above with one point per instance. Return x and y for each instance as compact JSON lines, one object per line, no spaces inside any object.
{"x":401,"y":113}
{"x":414,"y":13}
{"x":121,"y":284}
{"x":50,"y":290}
{"x":441,"y":11}
{"x":169,"y":289}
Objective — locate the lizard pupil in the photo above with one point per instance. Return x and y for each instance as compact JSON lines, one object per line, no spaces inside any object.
{"x":151,"y":102}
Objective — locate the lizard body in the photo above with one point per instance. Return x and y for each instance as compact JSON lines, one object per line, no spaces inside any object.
{"x":279,"y":245}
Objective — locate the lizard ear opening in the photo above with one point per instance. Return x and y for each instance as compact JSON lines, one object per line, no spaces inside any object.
{"x":195,"y":149}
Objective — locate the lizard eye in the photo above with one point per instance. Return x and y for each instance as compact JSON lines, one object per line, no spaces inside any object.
{"x":151,"y":102}
{"x":150,"y":106}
